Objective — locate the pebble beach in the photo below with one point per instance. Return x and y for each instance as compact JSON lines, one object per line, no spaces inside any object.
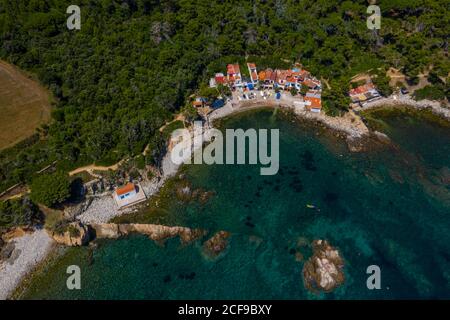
{"x":29,"y":250}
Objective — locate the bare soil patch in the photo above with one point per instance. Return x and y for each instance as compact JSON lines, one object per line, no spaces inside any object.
{"x":24,"y":105}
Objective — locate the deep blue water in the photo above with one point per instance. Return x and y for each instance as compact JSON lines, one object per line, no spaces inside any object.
{"x":387,"y":207}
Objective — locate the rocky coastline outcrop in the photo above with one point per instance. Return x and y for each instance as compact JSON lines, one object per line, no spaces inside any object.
{"x":215,"y":245}
{"x":324,"y":271}
{"x":158,"y":233}
{"x":73,"y":234}
{"x":186,"y":193}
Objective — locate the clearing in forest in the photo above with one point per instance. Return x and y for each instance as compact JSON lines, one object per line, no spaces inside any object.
{"x":24,"y":105}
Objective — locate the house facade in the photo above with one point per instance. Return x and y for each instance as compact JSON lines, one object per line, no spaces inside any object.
{"x":234,"y":76}
{"x":364,"y":93}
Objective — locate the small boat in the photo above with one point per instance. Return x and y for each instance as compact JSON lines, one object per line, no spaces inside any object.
{"x":310,"y":206}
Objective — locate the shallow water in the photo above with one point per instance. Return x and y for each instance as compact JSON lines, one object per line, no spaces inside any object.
{"x":388,"y":207}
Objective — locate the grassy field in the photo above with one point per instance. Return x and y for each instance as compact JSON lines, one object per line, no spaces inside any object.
{"x":24,"y":105}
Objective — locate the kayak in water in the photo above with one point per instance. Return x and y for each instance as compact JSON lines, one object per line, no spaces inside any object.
{"x":311,"y":206}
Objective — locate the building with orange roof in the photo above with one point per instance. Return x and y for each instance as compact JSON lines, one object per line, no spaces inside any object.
{"x":313,"y":104}
{"x":128,"y":195}
{"x":268,"y":78}
{"x":262,"y":75}
{"x":219,"y":78}
{"x":364,"y":93}
{"x":312,"y":84}
{"x":199,"y":102}
{"x":234,"y":76}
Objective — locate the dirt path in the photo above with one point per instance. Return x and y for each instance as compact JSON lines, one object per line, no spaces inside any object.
{"x":396,"y":76}
{"x":92,"y":167}
{"x":178,"y":117}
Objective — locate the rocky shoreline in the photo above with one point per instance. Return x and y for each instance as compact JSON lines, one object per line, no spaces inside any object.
{"x":395,"y":101}
{"x":158,"y":233}
{"x":34,"y":247}
{"x":350,"y":126}
{"x":24,"y":253}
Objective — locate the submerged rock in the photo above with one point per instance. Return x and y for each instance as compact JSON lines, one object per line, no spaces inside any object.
{"x":255,"y":240}
{"x":185,"y":193}
{"x":216,"y":244}
{"x":382,"y":137}
{"x":324,"y":270}
{"x":203,"y":196}
{"x":355,"y":144}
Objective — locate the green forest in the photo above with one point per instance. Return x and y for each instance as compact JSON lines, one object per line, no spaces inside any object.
{"x":134,"y":62}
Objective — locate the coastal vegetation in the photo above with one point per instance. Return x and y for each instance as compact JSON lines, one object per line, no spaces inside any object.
{"x":432,"y":92}
{"x":18,"y":213}
{"x":374,"y":116}
{"x":134,"y":63}
{"x":50,"y":189}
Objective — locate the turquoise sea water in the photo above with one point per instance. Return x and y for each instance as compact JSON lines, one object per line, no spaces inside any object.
{"x":388,"y":207}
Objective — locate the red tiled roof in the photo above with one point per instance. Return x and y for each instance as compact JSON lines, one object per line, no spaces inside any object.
{"x":220,"y":79}
{"x":251,"y":65}
{"x":304,"y":73}
{"x":310,"y":83}
{"x":361,"y":89}
{"x":125,"y":189}
{"x":316,"y":103}
{"x":270,"y":75}
{"x":262,"y":75}
{"x":233,"y":68}
{"x":291,"y":79}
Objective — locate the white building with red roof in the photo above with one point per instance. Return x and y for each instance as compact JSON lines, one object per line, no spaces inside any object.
{"x":364,"y":93}
{"x":234,"y":76}
{"x":219,"y":78}
{"x":128,"y":195}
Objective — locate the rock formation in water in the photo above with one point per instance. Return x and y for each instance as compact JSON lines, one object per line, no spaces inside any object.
{"x":155,"y":232}
{"x":324,"y":270}
{"x":216,"y":244}
{"x":185,"y":193}
{"x":74,"y":234}
{"x":355,"y":144}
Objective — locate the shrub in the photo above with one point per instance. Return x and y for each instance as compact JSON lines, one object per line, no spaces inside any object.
{"x":19,"y":212}
{"x":436,"y":92}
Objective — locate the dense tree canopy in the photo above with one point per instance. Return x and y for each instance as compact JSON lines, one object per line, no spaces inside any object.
{"x":135,"y":62}
{"x":50,"y":189}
